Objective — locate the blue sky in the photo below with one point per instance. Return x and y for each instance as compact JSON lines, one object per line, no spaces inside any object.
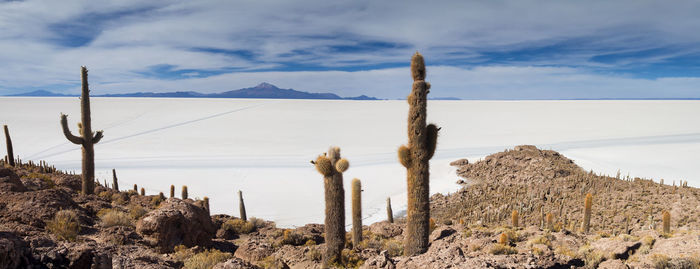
{"x":474,"y":49}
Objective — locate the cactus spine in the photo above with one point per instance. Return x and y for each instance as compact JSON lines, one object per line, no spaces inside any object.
{"x":184,"y":192}
{"x":8,"y":142}
{"x":422,"y":141}
{"x":241,"y":206}
{"x":514,"y":218}
{"x":389,"y":212}
{"x":331,"y":166}
{"x":588,"y":203}
{"x":172,"y":191}
{"x":115,"y":184}
{"x":666,"y":220}
{"x":356,"y":212}
{"x":87,"y":138}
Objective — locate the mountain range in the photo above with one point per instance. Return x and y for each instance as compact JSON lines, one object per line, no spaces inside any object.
{"x":263,"y":90}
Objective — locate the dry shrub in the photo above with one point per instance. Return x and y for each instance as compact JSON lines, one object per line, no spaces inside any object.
{"x":65,"y":225}
{"x":239,"y":226}
{"x":393,"y":247}
{"x":206,"y":259}
{"x":291,"y":237}
{"x":115,"y":218}
{"x":137,"y":211}
{"x":499,"y":249}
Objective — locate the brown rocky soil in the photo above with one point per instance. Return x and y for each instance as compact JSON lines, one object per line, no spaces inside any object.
{"x":173,"y":233}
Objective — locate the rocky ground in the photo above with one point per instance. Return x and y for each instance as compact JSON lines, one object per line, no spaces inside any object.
{"x":46,"y":223}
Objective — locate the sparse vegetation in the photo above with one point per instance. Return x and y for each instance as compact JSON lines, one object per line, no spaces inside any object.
{"x":65,"y":225}
{"x":113,"y":217}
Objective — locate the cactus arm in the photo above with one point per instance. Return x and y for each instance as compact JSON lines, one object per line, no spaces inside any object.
{"x":432,"y":135}
{"x":342,"y":165}
{"x":405,"y":156}
{"x":66,"y":131}
{"x":98,"y":136}
{"x":324,"y":166}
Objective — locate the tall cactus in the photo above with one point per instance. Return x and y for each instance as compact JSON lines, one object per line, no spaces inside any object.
{"x":331,"y":166}
{"x":8,"y":143}
{"x":87,"y":138}
{"x":241,"y":206}
{"x":356,"y":212}
{"x":184,"y":192}
{"x":389,"y":212}
{"x":422,"y":141}
{"x":172,"y":191}
{"x":115,"y":184}
{"x":587,"y":205}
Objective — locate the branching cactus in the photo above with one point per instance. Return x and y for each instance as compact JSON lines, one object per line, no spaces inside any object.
{"x":514,"y":218}
{"x":415,"y":156}
{"x":184,"y":192}
{"x":115,"y":184}
{"x":87,"y":138}
{"x":331,"y":166}
{"x":8,"y":142}
{"x":389,"y":212}
{"x":666,"y":221}
{"x":356,"y":212}
{"x":241,"y":206}
{"x":587,"y":205}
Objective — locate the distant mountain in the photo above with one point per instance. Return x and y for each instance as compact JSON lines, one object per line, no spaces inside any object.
{"x":262,"y":91}
{"x":40,"y":93}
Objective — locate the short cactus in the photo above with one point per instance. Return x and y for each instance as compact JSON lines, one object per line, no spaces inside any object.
{"x":331,"y":166}
{"x":503,"y":239}
{"x":206,"y":204}
{"x":514,"y":218}
{"x":172,"y":191}
{"x":241,"y":206}
{"x":666,"y":221}
{"x":136,"y":188}
{"x":415,"y":156}
{"x":356,"y":212}
{"x":550,"y":221}
{"x":143,"y":191}
{"x":8,"y":142}
{"x":389,"y":212}
{"x":587,"y":205}
{"x":115,"y":183}
{"x":184,"y":192}
{"x":87,"y":138}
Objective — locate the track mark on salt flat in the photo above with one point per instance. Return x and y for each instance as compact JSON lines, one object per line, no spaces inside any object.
{"x":107,"y":141}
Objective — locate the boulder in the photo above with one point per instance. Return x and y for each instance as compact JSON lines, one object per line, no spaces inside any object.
{"x":382,"y":260}
{"x":176,"y":222}
{"x":35,"y":207}
{"x":235,"y":263}
{"x":440,"y":233}
{"x":14,"y":252}
{"x":386,"y":229}
{"x":9,"y":181}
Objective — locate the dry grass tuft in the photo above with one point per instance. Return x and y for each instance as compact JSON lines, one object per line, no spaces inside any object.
{"x":65,"y":225}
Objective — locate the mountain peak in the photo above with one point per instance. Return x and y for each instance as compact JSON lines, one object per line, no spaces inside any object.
{"x":266,"y":85}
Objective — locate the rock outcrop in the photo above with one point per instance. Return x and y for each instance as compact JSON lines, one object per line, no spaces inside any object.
{"x":177,"y":222}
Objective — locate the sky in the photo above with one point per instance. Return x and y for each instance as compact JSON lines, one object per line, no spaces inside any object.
{"x":491,"y":49}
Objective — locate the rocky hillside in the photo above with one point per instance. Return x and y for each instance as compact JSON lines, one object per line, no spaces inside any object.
{"x":46,"y":223}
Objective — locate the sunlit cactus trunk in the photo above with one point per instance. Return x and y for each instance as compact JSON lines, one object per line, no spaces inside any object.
{"x":87,"y":138}
{"x":514,"y":218}
{"x":422,"y":141}
{"x":331,"y":166}
{"x":389,"y":212}
{"x":184,"y":192}
{"x":241,"y":206}
{"x":172,"y":191}
{"x":587,"y":206}
{"x":666,"y":222}
{"x":8,"y":142}
{"x":356,"y":212}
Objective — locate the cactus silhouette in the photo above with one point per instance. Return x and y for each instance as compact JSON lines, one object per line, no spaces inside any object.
{"x":356,"y":212}
{"x":87,"y":138}
{"x":143,"y":191}
{"x":184,"y":192}
{"x":172,"y":191}
{"x":331,"y":166}
{"x":136,"y":188}
{"x":115,"y":184}
{"x":666,"y":221}
{"x":588,"y":203}
{"x":206,"y":204}
{"x":422,"y":141}
{"x":389,"y":212}
{"x":8,"y":143}
{"x":241,"y":206}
